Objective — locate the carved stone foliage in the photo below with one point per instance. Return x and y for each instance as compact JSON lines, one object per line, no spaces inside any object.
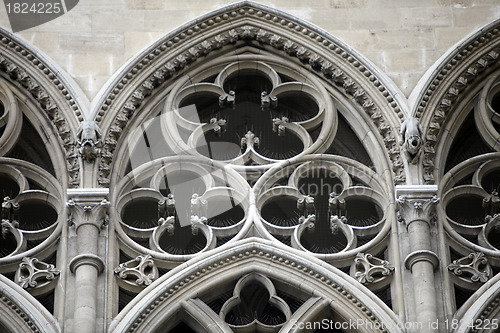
{"x":415,"y":208}
{"x":33,"y":273}
{"x":341,"y":67}
{"x":371,"y":270}
{"x":472,"y":268}
{"x":82,"y":212}
{"x":141,"y":271}
{"x":474,"y":59}
{"x":20,"y":66}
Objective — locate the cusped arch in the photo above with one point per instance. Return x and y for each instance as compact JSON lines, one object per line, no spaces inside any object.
{"x":61,"y":103}
{"x":235,"y":27}
{"x":20,"y":311}
{"x":177,"y":292}
{"x":457,"y":74}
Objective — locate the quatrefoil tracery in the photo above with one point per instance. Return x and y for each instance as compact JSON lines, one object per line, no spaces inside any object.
{"x":29,"y":217}
{"x":249,"y":114}
{"x":189,"y":206}
{"x":473,"y":209}
{"x":320,"y":209}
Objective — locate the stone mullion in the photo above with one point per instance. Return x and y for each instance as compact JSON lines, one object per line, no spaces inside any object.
{"x":88,"y":213}
{"x":415,"y":204}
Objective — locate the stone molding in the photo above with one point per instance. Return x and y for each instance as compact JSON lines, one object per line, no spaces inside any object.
{"x":421,"y":255}
{"x":371,"y":270}
{"x":415,"y":203}
{"x":86,"y":260}
{"x":448,"y":82}
{"x":22,"y":315}
{"x":137,"y":268}
{"x":254,"y":253}
{"x":248,"y":22}
{"x":54,"y":93}
{"x":88,"y":207}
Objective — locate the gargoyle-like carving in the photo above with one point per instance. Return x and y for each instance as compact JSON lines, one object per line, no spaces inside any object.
{"x":140,"y":271}
{"x":32,"y":271}
{"x":89,"y":143}
{"x":166,"y":207}
{"x":335,"y":204}
{"x":7,"y":226}
{"x":220,"y":126}
{"x":370,"y":269}
{"x":474,"y":267}
{"x":411,"y":138}
{"x":309,"y":221}
{"x":169,"y":224}
{"x":10,"y":209}
{"x":199,"y":206}
{"x":494,"y":221}
{"x":492,"y":203}
{"x":249,"y":140}
{"x":196,"y":223}
{"x":306,"y":205}
{"x":228,"y":99}
{"x":279,"y":125}
{"x":267,"y":100}
{"x":336,"y":223}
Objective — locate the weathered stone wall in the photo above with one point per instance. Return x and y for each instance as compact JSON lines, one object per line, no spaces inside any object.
{"x":403,"y":38}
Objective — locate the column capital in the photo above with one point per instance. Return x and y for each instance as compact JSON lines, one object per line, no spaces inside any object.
{"x":415,"y":202}
{"x":87,"y":207}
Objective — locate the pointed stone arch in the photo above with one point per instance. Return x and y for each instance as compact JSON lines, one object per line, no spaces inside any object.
{"x":19,"y":314}
{"x":455,"y":75}
{"x":62,"y":104}
{"x":178,"y":291}
{"x":224,"y":31}
{"x":481,"y":311}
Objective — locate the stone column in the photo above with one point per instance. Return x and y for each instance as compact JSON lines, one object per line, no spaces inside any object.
{"x":88,"y":210}
{"x":415,"y":204}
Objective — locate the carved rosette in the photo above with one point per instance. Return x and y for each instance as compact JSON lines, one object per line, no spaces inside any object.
{"x":141,"y":271}
{"x":371,"y":270}
{"x":472,"y":268}
{"x":33,"y":273}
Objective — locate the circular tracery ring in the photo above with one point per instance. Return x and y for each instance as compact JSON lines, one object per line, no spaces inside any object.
{"x":324,"y":207}
{"x":189,"y":206}
{"x":472,"y":209}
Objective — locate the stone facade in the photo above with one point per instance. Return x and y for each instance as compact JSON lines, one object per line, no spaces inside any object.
{"x":260,"y":167}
